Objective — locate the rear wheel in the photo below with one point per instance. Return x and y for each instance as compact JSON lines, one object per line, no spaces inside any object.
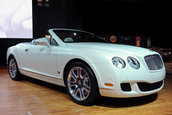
{"x":81,"y":84}
{"x":13,"y":69}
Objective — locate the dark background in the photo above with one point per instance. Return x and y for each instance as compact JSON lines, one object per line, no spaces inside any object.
{"x":150,"y":18}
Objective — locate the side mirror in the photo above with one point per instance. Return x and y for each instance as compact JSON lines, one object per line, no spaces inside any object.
{"x":42,"y":41}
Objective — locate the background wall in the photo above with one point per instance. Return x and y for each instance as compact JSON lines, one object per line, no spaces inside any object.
{"x":104,"y":17}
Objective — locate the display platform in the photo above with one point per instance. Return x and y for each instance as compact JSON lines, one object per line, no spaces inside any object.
{"x":35,"y":97}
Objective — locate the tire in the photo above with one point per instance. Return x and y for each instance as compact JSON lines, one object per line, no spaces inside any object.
{"x":81,"y":84}
{"x":13,"y":70}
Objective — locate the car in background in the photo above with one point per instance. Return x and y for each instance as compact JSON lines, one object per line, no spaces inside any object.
{"x":166,"y":53}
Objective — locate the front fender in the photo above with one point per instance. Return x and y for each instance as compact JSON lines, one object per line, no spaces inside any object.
{"x":13,"y":51}
{"x":98,"y":64}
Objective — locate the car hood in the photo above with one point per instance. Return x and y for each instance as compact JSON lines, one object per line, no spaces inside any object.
{"x":112,"y":48}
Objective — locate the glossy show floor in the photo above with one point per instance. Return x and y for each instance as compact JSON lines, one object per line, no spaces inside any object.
{"x":33,"y":97}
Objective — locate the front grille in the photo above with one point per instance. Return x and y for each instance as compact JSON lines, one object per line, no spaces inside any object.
{"x":154,"y":62}
{"x":148,"y":87}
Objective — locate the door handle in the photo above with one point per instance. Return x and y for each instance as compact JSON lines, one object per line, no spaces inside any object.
{"x":26,"y":50}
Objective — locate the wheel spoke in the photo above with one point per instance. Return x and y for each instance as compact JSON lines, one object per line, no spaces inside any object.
{"x":74,"y":76}
{"x":75,"y":92}
{"x":79,"y":72}
{"x":13,"y":72}
{"x":72,"y":83}
{"x":81,"y":94}
{"x":86,"y":78}
{"x":86,"y":87}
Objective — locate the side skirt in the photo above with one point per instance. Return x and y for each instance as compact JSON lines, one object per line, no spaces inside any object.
{"x":45,"y":78}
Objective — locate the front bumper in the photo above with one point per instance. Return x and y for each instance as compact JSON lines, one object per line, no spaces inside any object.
{"x":130,"y":76}
{"x":135,"y":91}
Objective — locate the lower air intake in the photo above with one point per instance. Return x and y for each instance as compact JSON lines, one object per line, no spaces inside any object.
{"x":148,"y":87}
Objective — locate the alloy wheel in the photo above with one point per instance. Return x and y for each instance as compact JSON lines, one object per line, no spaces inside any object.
{"x":12,"y":68}
{"x":79,"y":84}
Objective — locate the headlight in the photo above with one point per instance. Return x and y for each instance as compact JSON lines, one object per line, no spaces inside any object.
{"x":118,"y":62}
{"x":133,"y":62}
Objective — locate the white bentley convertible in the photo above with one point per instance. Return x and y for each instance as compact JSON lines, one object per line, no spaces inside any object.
{"x":88,"y":66}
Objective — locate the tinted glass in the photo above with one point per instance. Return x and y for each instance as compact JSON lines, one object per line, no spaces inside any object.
{"x":53,"y":42}
{"x":69,"y":36}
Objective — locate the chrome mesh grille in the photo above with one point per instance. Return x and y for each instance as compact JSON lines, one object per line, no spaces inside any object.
{"x":154,"y":62}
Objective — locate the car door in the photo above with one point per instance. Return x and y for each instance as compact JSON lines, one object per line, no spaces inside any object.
{"x":41,"y":59}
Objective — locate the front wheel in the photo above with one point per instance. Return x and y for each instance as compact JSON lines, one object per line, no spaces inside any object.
{"x":13,"y":69}
{"x":81,"y":84}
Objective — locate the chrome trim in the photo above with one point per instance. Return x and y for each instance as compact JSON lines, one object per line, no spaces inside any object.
{"x":46,"y":78}
{"x":153,"y":62}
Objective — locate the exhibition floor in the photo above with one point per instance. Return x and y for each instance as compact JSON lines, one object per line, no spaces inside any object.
{"x":33,"y":97}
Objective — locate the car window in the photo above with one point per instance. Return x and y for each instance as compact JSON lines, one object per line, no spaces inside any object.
{"x":63,"y":35}
{"x":53,"y":42}
{"x":69,"y":36}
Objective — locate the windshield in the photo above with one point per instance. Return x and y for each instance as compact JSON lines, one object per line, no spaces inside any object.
{"x":70,"y":36}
